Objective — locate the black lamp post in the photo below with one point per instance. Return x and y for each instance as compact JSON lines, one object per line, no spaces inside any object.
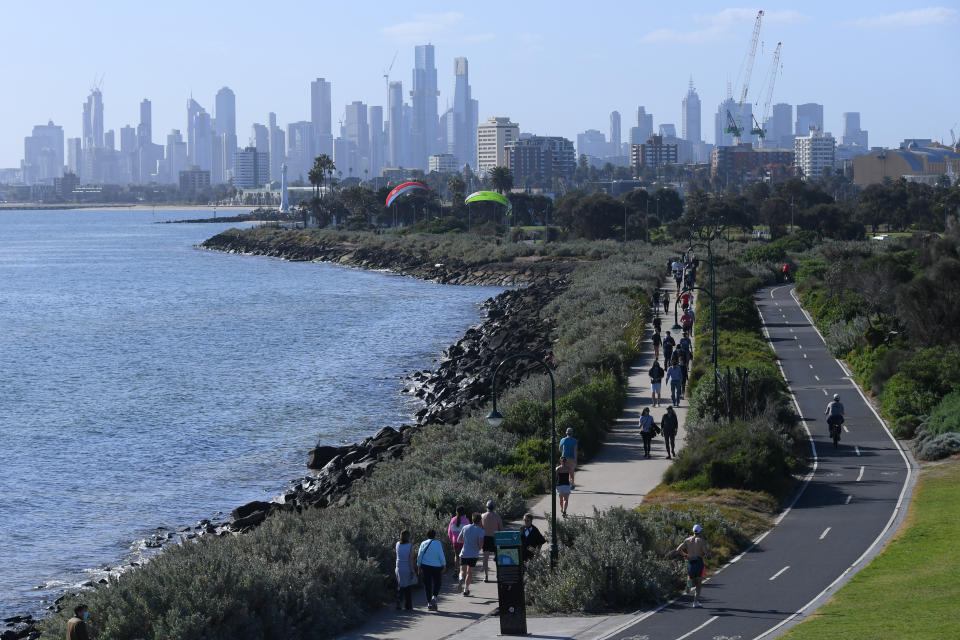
{"x":713,"y":318}
{"x":495,"y":418}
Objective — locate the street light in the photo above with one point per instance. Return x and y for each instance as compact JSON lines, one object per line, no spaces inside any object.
{"x":713,"y":318}
{"x":495,"y":418}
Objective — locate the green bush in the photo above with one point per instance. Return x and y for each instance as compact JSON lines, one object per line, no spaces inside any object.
{"x":937,"y":447}
{"x":945,"y":416}
{"x":921,"y":382}
{"x":530,"y":462}
{"x":527,"y":418}
{"x":735,"y":314}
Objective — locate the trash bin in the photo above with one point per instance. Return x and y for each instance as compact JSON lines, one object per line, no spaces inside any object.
{"x":513,"y":610}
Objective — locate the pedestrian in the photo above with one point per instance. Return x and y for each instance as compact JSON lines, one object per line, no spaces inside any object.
{"x":656,"y":378}
{"x":563,"y":484}
{"x":570,"y":449}
{"x":666,"y":302}
{"x":685,"y":300}
{"x":668,"y":344}
{"x":686,"y":344}
{"x":531,"y":538}
{"x":695,"y":549}
{"x":431,"y":561}
{"x":657,"y":341}
{"x":686,"y":322}
{"x":670,"y":426}
{"x":77,"y":625}
{"x":492,"y":522}
{"x":471,"y":543}
{"x":656,"y":298}
{"x":648,"y":429}
{"x":406,"y":576}
{"x":683,"y":358}
{"x":457,"y":523}
{"x":675,"y":378}
{"x":678,"y":277}
{"x":656,"y":322}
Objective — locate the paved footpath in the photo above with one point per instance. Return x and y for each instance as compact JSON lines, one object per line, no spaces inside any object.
{"x":617,"y":476}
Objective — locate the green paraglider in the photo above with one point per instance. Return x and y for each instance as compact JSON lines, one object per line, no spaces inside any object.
{"x":487,"y":196}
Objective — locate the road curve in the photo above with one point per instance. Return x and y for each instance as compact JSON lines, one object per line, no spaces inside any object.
{"x":850,"y":504}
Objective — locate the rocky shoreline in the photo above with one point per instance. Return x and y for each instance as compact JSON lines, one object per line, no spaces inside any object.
{"x":459,"y":384}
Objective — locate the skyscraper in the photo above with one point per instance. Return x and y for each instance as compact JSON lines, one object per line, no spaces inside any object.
{"x":277,"y":145}
{"x":423,"y":128}
{"x":259,"y":138}
{"x":691,"y":116}
{"x":852,"y":133}
{"x":193,"y":108}
{"x":93,"y":120}
{"x":357,"y":133}
{"x":320,"y":115}
{"x":377,"y":142}
{"x":742,"y":115}
{"x":202,"y":135}
{"x":493,"y":136}
{"x":176,"y":156}
{"x":463,"y":127}
{"x":644,"y":128}
{"x":225,"y":126}
{"x":808,"y":115}
{"x":145,"y":128}
{"x":396,"y":142}
{"x":301,"y":145}
{"x":780,"y":127}
{"x":615,"y":138}
{"x":43,"y":154}
{"x":74,"y":156}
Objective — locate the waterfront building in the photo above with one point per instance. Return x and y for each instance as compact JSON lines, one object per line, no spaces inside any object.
{"x":443,"y":163}
{"x":251,"y":168}
{"x":43,"y":154}
{"x":492,"y":138}
{"x":423,"y":96}
{"x":814,"y":153}
{"x":808,"y":115}
{"x":691,"y":115}
{"x":541,"y":158}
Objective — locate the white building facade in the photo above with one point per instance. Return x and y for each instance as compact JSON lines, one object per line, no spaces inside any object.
{"x":492,"y":139}
{"x":814,"y":153}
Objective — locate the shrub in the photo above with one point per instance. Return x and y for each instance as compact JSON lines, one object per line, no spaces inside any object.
{"x":527,"y":418}
{"x":921,"y":382}
{"x":844,"y":337}
{"x":936,"y":447}
{"x":734,"y":314}
{"x":945,"y":416}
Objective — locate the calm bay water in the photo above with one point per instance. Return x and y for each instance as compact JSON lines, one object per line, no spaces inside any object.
{"x":144,"y":382}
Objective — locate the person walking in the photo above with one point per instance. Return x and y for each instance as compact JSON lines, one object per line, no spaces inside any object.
{"x":531,"y":539}
{"x":406,"y":576}
{"x":695,"y":549}
{"x":431,"y":561}
{"x":564,"y":487}
{"x":675,"y":378}
{"x":683,"y":359}
{"x":648,"y":429}
{"x":77,"y":625}
{"x":656,"y":377}
{"x":668,"y":344}
{"x":656,"y":321}
{"x":570,"y":449}
{"x":457,"y":523}
{"x":656,"y":299}
{"x":492,"y":522}
{"x":471,"y":543}
{"x":686,"y":321}
{"x":686,"y":344}
{"x":666,"y":301}
{"x":657,"y":341}
{"x":669,"y":425}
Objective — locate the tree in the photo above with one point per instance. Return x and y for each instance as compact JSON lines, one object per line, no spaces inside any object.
{"x":457,"y":187}
{"x":321,"y":171}
{"x":501,"y":178}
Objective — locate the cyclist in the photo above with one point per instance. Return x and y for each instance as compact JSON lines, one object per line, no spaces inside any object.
{"x":787,"y":272}
{"x":834,"y":411}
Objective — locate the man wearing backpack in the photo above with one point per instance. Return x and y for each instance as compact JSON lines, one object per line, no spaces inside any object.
{"x":656,"y":378}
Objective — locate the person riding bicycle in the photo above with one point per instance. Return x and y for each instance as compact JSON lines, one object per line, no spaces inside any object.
{"x":786,"y":271}
{"x":834,"y":412}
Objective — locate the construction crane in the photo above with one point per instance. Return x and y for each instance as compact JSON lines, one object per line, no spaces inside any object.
{"x":734,"y":127}
{"x":758,"y":129}
{"x":386,"y":72}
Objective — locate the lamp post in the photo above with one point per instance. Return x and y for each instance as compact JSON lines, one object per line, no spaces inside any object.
{"x":713,"y":317}
{"x":495,"y":418}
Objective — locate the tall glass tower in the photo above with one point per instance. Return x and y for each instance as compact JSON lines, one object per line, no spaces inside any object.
{"x":425,"y":124}
{"x":691,"y":116}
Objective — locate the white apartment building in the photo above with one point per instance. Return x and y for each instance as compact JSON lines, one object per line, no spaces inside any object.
{"x":442,"y":163}
{"x":492,"y":139}
{"x":814,"y":153}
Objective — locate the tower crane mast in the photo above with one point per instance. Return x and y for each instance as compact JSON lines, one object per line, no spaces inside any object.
{"x":735,"y":127}
{"x":759,"y":127}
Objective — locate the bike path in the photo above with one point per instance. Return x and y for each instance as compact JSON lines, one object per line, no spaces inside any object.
{"x":838,"y":522}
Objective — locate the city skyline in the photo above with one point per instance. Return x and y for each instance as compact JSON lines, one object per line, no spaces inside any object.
{"x":523,"y":81}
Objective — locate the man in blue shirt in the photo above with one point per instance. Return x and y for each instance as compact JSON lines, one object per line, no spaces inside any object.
{"x":569,"y":450}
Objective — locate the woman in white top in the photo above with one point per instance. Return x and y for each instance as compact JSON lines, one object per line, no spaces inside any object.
{"x":406,"y":576}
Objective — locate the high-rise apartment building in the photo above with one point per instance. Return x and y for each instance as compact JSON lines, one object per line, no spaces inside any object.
{"x":75,"y":156}
{"x":492,"y":139}
{"x":396,"y":155}
{"x":615,"y":137}
{"x":808,"y":115}
{"x":43,"y":154}
{"x":423,"y":95}
{"x":780,"y":127}
{"x":463,"y":117}
{"x":259,"y":138}
{"x":176,"y":155}
{"x":654,"y":152}
{"x":377,"y":139}
{"x":251,"y":168}
{"x":320,"y":115}
{"x":814,"y":153}
{"x":93,"y":120}
{"x":541,"y":157}
{"x":592,"y":143}
{"x":193,"y":109}
{"x":691,"y":116}
{"x":852,"y":133}
{"x":145,"y":128}
{"x":301,"y":149}
{"x":357,"y":133}
{"x":277,"y":145}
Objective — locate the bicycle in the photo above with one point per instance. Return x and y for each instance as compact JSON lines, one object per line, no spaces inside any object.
{"x":835,"y":429}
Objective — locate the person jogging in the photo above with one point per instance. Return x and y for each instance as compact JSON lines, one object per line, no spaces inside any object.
{"x":695,"y":549}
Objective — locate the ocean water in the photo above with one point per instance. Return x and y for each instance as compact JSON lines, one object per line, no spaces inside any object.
{"x":145,"y":382}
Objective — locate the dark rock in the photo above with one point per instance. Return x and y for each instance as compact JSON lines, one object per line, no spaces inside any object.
{"x":250,"y":520}
{"x":318,"y":457}
{"x":249,"y":508}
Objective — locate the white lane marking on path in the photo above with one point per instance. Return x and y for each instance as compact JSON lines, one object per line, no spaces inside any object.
{"x":860,"y":477}
{"x":857,"y":450}
{"x":687,"y":635}
{"x":810,"y":365}
{"x":849,"y":497}
{"x":777,"y":574}
{"x":825,"y":532}
{"x":791,"y":330}
{"x":824,"y":392}
{"x":816,"y":376}
{"x":848,"y":431}
{"x":804,"y":355}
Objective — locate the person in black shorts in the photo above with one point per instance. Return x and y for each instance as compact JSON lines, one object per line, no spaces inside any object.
{"x":492,"y":522}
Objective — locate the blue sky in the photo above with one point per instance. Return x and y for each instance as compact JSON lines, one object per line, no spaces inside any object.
{"x":556,"y":68}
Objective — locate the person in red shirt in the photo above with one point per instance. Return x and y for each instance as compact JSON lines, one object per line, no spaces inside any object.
{"x":787,"y":272}
{"x":685,"y":300}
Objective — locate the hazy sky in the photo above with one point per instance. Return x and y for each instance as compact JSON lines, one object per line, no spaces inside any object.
{"x":556,"y":68}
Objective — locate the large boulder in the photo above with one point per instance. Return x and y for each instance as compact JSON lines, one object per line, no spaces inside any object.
{"x":318,"y":457}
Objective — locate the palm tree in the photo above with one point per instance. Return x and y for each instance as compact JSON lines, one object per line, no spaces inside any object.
{"x":323,"y":168}
{"x":501,"y":179}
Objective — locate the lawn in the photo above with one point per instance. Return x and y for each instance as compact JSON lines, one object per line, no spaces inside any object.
{"x":910,"y":590}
